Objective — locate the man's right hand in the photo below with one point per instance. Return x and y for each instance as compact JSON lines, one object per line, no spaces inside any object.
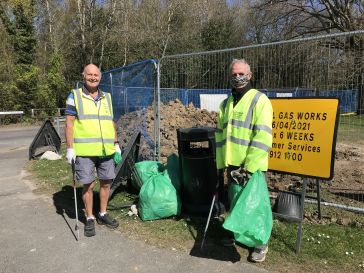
{"x":240,"y":176}
{"x":70,"y":155}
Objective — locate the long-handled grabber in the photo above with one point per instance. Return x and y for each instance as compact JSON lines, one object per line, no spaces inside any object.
{"x":75,"y":197}
{"x":208,"y":220}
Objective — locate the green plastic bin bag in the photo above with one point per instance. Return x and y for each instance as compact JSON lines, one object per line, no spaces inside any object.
{"x":173,"y":170}
{"x":234,"y":192}
{"x":158,"y":198}
{"x":250,"y":217}
{"x":145,"y":170}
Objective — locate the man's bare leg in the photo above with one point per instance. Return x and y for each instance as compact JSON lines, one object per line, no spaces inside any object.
{"x":104,"y":194}
{"x":87,"y":196}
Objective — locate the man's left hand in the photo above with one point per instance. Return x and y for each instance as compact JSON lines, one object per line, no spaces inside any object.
{"x":117,"y":155}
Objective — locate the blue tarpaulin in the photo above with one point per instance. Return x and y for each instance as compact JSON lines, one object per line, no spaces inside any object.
{"x":131,"y":86}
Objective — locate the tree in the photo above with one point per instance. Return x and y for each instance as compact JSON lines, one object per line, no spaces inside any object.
{"x":7,"y":58}
{"x":217,"y":32}
{"x":56,"y":80}
{"x":18,"y":22}
{"x":318,"y":16}
{"x":17,"y":17}
{"x":7,"y":89}
{"x":311,"y":17}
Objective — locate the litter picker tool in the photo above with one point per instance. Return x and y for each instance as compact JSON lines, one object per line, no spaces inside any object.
{"x":219,"y":179}
{"x":208,"y":220}
{"x":75,"y":197}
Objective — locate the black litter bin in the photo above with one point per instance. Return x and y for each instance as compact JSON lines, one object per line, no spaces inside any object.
{"x":196,"y":149}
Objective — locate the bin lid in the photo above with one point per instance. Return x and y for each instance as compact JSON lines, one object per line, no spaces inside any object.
{"x":196,"y":133}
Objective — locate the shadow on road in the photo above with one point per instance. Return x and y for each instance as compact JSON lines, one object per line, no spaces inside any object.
{"x":212,"y":248}
{"x":64,"y":203}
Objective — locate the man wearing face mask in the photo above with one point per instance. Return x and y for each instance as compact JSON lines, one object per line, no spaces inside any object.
{"x":243,"y":135}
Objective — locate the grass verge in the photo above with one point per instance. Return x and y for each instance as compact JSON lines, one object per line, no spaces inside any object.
{"x":325,"y":248}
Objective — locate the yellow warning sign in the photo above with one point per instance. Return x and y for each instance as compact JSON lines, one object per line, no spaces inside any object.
{"x":304,"y":136}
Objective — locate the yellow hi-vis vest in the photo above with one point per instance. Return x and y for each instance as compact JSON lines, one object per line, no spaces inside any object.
{"x":93,"y":129}
{"x":244,"y":132}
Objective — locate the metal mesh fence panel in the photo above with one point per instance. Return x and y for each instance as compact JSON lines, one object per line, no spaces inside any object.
{"x":132,"y":89}
{"x":328,"y":65}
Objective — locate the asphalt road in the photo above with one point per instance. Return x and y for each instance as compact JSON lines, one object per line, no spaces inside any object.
{"x":34,"y":238}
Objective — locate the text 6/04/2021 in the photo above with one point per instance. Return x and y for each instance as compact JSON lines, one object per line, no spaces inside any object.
{"x":291,"y":125}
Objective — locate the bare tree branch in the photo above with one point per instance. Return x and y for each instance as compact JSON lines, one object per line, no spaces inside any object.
{"x":81,"y":5}
{"x":112,"y":6}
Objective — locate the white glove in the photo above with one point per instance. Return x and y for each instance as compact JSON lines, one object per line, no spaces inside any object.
{"x":117,"y":148}
{"x":70,"y":155}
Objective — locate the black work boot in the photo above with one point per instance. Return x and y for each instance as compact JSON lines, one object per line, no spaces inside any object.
{"x":107,"y":221}
{"x":89,"y":230}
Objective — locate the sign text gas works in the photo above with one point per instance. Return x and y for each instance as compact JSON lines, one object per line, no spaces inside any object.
{"x":304,"y":136}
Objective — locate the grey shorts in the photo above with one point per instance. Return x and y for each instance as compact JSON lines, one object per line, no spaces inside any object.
{"x":86,"y":167}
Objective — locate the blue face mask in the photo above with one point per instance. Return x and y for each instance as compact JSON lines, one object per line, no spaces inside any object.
{"x":239,"y":81}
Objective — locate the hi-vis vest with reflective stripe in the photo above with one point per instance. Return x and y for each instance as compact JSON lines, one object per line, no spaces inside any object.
{"x":244,"y":132}
{"x":93,"y":129}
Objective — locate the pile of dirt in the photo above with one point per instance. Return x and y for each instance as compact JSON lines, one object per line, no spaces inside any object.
{"x":349,"y":167}
{"x":173,"y":116}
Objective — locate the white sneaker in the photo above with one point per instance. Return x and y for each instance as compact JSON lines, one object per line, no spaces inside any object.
{"x":258,"y":254}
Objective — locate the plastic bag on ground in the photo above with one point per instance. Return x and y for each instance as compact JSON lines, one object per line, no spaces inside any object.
{"x":158,"y":198}
{"x":250,"y":217}
{"x":144,"y":171}
{"x":174,"y":173}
